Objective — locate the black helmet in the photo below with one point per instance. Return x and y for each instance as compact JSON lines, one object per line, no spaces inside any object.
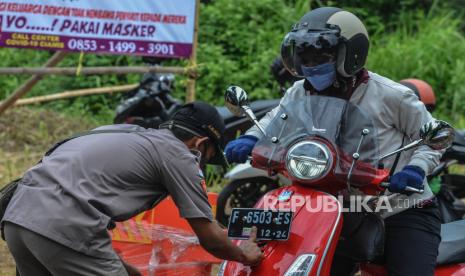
{"x":323,"y":35}
{"x":166,"y":82}
{"x":157,"y":83}
{"x":201,"y":119}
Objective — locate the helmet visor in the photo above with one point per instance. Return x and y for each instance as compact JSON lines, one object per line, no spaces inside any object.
{"x":309,"y":48}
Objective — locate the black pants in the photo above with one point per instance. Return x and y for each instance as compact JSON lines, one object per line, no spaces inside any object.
{"x":36,"y":255}
{"x":411,"y":244}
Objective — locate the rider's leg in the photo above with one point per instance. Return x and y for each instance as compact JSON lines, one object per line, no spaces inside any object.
{"x":412,"y":241}
{"x":30,"y":249}
{"x":343,"y":266}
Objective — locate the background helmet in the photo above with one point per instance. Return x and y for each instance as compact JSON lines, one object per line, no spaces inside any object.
{"x":323,"y":35}
{"x":166,"y":82}
{"x":423,"y":90}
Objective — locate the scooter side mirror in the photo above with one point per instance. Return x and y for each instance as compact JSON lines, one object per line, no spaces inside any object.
{"x":437,"y":134}
{"x":235,"y":99}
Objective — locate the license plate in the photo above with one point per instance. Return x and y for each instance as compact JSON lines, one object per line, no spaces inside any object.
{"x":271,"y":225}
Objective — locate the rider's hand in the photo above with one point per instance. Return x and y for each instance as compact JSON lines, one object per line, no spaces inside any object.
{"x":237,"y":150}
{"x":251,"y":252}
{"x":412,"y":176}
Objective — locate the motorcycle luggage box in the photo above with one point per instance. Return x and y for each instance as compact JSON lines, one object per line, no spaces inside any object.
{"x":457,"y":150}
{"x":452,"y":246}
{"x":456,"y":183}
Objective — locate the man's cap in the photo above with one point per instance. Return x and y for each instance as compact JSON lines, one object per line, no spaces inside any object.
{"x":201,"y":119}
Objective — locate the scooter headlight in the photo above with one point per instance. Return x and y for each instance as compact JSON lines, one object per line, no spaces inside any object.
{"x":301,"y":266}
{"x":308,"y":160}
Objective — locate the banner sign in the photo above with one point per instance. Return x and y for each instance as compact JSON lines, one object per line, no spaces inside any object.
{"x":163,"y":28}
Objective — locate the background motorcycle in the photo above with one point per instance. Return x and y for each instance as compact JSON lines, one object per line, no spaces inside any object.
{"x":450,"y":187}
{"x":152,"y":103}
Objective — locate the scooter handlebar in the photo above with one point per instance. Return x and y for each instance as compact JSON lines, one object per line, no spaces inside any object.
{"x":407,"y":188}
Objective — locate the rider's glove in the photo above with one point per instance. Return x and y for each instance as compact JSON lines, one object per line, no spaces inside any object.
{"x":409,"y":176}
{"x":237,"y":150}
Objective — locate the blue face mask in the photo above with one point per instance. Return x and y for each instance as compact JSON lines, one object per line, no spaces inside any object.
{"x":321,"y":76}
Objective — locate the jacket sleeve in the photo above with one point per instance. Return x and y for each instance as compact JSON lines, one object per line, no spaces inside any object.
{"x":185,"y":183}
{"x":413,"y":115}
{"x":266,"y":120}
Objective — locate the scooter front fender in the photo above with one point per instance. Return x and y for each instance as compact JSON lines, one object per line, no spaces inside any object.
{"x":315,"y":229}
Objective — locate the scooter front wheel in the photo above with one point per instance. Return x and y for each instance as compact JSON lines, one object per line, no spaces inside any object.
{"x":242,"y":193}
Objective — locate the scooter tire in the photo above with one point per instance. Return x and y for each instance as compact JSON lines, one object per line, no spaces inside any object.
{"x":255,"y":188}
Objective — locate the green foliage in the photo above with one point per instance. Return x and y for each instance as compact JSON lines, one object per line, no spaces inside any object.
{"x":380,"y":15}
{"x":239,"y":39}
{"x":431,"y":49}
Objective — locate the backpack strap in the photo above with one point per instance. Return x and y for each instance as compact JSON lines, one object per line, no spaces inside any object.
{"x":394,"y":165}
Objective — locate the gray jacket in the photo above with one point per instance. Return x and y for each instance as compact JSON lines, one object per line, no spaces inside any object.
{"x":397,"y":113}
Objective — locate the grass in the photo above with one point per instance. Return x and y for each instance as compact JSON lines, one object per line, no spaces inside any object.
{"x":7,"y":265}
{"x":26,"y":134}
{"x":428,"y":48}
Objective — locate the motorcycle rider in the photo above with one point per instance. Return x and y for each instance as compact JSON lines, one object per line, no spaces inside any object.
{"x":328,"y":47}
{"x":56,"y":223}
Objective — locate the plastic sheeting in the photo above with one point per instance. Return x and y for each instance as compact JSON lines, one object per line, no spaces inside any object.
{"x":171,"y":251}
{"x":159,"y":242}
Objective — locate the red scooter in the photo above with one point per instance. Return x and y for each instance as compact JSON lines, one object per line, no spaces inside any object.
{"x":327,"y":146}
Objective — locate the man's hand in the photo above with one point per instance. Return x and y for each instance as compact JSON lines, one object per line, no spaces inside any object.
{"x":252,"y":253}
{"x":213,"y":239}
{"x":237,"y":150}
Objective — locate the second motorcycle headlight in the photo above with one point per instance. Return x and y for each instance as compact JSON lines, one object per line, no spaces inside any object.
{"x":308,"y":160}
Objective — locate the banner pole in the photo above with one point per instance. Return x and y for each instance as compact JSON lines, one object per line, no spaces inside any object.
{"x":30,"y":83}
{"x":190,"y":93}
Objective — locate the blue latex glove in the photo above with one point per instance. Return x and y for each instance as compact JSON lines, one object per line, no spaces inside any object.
{"x":409,"y":176}
{"x":237,"y":150}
